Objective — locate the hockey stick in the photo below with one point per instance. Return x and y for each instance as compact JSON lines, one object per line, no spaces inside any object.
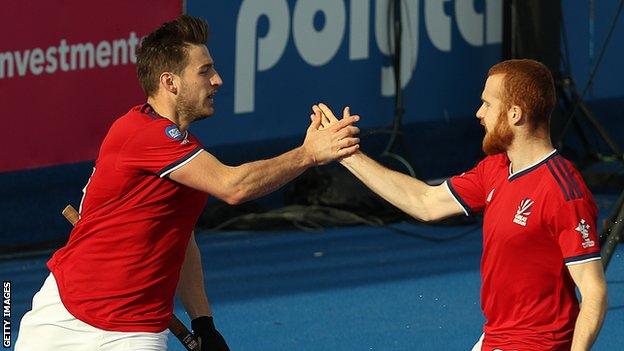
{"x":176,"y":326}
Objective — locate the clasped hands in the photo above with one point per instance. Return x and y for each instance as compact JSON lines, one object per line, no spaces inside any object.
{"x":329,"y":138}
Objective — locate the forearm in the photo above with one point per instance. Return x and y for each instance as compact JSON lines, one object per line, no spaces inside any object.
{"x":191,"y":289}
{"x":589,"y":320}
{"x":403,"y":191}
{"x":255,"y":179}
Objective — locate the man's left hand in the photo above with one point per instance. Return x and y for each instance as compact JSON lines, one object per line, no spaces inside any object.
{"x":209,"y":337}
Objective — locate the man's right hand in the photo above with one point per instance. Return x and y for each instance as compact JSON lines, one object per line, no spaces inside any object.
{"x":328,"y":138}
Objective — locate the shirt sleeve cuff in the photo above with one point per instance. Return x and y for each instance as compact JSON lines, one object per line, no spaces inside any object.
{"x":458,"y":198}
{"x":582,"y":258}
{"x":179,"y":163}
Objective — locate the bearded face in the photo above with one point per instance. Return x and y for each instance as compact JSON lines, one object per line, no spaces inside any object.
{"x":499,"y":138}
{"x":199,"y":82}
{"x":191,"y":107}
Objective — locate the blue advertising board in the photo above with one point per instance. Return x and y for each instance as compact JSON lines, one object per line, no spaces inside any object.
{"x":279,"y":57}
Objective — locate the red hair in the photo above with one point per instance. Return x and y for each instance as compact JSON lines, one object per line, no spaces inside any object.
{"x":529,"y":85}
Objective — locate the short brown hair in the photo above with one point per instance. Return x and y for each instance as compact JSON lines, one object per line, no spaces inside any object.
{"x":530,"y":85}
{"x":165,"y":50}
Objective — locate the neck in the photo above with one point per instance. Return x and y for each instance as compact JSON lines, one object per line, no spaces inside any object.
{"x":525,"y":151}
{"x":168,"y":111}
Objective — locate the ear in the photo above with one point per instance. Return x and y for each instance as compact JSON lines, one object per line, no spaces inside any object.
{"x":169,"y":82}
{"x":515,"y":115}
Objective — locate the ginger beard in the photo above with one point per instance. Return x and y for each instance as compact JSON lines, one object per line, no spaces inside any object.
{"x":500,"y":138}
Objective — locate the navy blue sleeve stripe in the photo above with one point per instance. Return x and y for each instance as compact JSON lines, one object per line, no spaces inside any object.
{"x":458,"y":198}
{"x":572,"y":184}
{"x":565,"y":179}
{"x":577,"y":188}
{"x":186,"y":157}
{"x":563,"y":189}
{"x":570,"y":177}
{"x":582,"y":257}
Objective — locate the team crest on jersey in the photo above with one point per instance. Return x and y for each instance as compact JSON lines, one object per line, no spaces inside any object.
{"x":523,"y":212}
{"x":174,"y":133}
{"x":583,"y":228}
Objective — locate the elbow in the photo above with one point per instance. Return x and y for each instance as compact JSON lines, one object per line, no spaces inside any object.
{"x":605,"y":297}
{"x":421,"y":211}
{"x":232,"y":201}
{"x":603,"y":303}
{"x":233,"y":192}
{"x":236,"y":195}
{"x":237,"y":187}
{"x":425,"y":217}
{"x":600,"y":291}
{"x":421,"y":216}
{"x":597,"y":296}
{"x":235,"y":198}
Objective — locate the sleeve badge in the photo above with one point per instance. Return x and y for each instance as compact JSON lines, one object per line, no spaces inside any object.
{"x":583,"y":229}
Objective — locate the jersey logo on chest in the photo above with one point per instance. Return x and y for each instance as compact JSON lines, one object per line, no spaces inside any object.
{"x":523,"y":212}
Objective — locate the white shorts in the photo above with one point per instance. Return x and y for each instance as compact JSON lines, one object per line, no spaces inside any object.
{"x":49,"y":326}
{"x":477,"y":346}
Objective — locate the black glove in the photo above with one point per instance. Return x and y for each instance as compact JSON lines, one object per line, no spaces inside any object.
{"x":209,"y":338}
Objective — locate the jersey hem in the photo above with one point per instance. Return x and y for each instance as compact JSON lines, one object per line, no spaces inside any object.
{"x":153,"y":328}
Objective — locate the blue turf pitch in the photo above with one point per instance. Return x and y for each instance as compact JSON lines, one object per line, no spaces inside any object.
{"x":354,"y":288}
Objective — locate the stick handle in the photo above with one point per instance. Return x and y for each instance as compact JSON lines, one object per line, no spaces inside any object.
{"x":183,"y":334}
{"x":71,"y":214}
{"x":176,"y":326}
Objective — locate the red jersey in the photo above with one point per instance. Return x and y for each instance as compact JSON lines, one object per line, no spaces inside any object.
{"x":120,"y":268}
{"x":536,"y":221}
